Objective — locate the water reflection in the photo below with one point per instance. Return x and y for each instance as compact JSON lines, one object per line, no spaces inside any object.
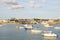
{"x":50,"y":38}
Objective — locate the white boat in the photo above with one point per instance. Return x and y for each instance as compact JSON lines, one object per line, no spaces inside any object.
{"x":49,"y":34}
{"x":57,"y":28}
{"x":35,"y":31}
{"x":28,"y":26}
{"x":19,"y":27}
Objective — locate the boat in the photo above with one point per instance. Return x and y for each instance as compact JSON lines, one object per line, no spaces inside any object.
{"x":36,"y":31}
{"x":19,"y":27}
{"x":57,"y":28}
{"x":49,"y":34}
{"x":28,"y":26}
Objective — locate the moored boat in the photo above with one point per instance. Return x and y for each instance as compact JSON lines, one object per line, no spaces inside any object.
{"x":57,"y":28}
{"x":35,"y":31}
{"x":28,"y":26}
{"x":49,"y":34}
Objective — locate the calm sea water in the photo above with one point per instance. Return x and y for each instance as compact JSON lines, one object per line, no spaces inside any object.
{"x":9,"y":32}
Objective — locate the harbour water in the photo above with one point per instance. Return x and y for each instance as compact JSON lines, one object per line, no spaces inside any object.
{"x":9,"y":32}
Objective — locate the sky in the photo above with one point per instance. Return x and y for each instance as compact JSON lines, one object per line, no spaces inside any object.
{"x":46,"y":9}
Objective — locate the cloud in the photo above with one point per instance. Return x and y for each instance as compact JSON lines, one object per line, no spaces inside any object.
{"x":14,"y":2}
{"x":15,"y":7}
{"x":44,"y":1}
{"x":34,"y":5}
{"x":37,"y":6}
{"x":31,"y":5}
{"x":9,"y":1}
{"x":33,"y":2}
{"x":1,"y":1}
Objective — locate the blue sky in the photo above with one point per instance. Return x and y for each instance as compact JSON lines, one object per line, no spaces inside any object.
{"x":49,"y":9}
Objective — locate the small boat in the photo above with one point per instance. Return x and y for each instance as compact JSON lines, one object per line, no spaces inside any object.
{"x":19,"y":27}
{"x":49,"y":34}
{"x":57,"y":28}
{"x":28,"y":26}
{"x":36,"y":31}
